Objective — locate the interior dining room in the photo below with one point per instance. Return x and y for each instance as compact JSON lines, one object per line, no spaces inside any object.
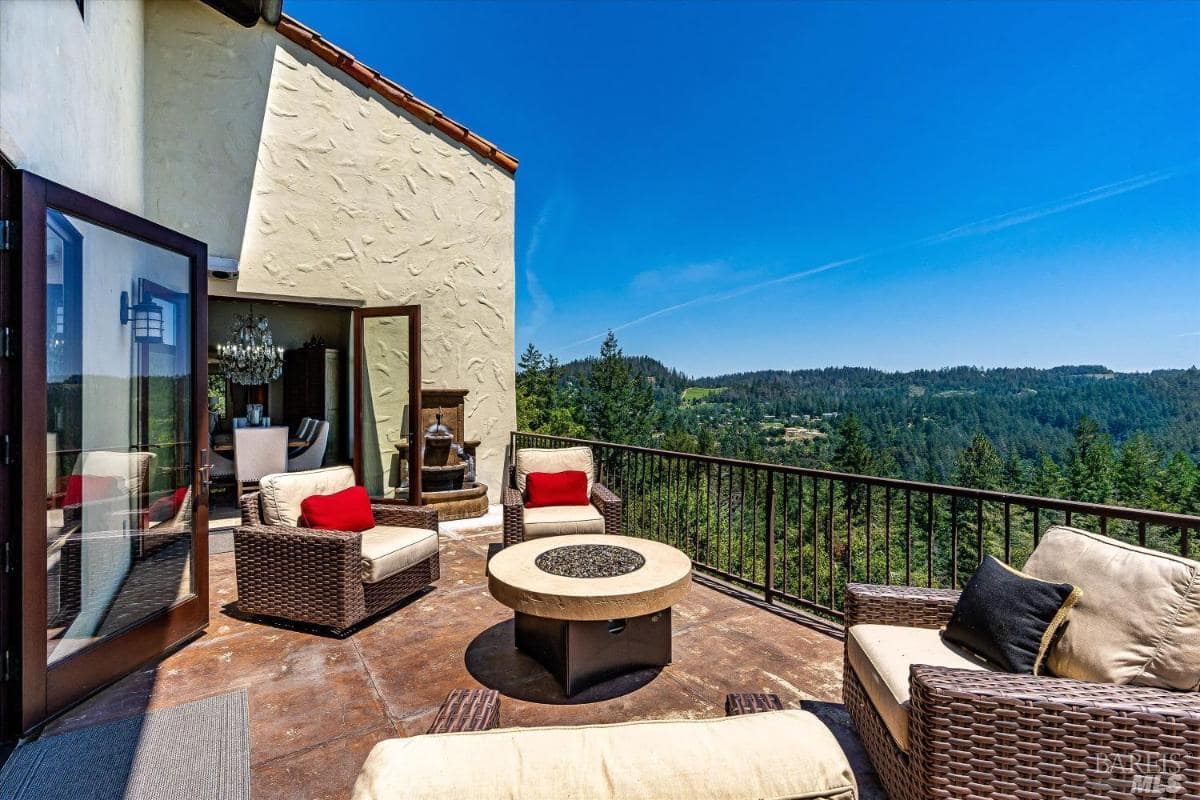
{"x":279,"y":373}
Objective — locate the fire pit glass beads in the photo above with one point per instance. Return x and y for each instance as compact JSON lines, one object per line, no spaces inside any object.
{"x":590,"y":561}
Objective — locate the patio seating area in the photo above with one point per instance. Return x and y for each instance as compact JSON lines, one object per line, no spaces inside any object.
{"x":318,"y":704}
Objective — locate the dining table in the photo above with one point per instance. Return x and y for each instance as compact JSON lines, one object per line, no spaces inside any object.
{"x":224,"y":446}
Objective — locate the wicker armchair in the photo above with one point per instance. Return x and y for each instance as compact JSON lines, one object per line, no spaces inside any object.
{"x":980,"y":734}
{"x":605,"y":505}
{"x":317,"y":577}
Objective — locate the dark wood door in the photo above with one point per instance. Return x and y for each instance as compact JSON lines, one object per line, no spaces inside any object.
{"x":113,"y":369}
{"x":387,"y":401}
{"x":10,"y":600}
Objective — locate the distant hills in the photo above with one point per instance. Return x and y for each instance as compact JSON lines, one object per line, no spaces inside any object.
{"x":925,"y":417}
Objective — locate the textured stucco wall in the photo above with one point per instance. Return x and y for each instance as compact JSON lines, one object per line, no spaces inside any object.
{"x":326,"y":191}
{"x":71,"y":94}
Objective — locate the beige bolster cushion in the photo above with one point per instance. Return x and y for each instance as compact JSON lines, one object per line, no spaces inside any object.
{"x":1138,"y":619}
{"x":282,"y":494}
{"x":770,"y":755}
{"x":554,"y":459}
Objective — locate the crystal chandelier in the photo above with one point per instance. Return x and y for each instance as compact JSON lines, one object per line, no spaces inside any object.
{"x":250,"y":357}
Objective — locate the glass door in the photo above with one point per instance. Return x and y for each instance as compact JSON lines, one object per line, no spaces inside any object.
{"x":387,"y":401}
{"x":114,"y":369}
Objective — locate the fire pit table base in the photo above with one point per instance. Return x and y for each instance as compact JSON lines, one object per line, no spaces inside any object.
{"x":580,"y":654}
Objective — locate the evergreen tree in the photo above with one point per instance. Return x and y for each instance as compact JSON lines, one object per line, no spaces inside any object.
{"x":979,"y":465}
{"x":1015,"y":472}
{"x":1046,"y":479}
{"x":1137,"y":472}
{"x":544,"y":404}
{"x":852,"y":453}
{"x":1178,"y":483}
{"x":617,"y":404}
{"x":1090,"y":463}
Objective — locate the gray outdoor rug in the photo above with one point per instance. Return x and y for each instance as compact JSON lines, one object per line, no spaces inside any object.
{"x":196,"y":751}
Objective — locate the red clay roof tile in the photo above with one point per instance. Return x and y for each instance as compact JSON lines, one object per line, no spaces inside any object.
{"x":393,"y":92}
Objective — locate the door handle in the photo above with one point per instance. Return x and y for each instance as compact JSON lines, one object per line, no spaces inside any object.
{"x":205,"y":471}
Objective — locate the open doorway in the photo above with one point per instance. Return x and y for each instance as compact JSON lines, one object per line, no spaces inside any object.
{"x":310,"y":396}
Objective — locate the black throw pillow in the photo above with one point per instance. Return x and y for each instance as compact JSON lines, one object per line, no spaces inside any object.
{"x":1008,"y":617}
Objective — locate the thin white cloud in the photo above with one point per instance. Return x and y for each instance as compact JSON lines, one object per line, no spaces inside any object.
{"x":1189,"y":333}
{"x":543,"y":304}
{"x":978,"y":227}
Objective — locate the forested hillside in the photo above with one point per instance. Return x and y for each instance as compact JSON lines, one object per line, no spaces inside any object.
{"x":1082,"y":432}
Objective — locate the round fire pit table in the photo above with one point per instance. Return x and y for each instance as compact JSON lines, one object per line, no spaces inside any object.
{"x":591,"y":607}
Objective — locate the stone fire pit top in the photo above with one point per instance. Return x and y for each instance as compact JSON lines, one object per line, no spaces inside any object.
{"x":590,"y":561}
{"x":516,"y":580}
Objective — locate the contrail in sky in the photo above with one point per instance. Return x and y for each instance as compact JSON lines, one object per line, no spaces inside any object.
{"x":979,"y":227}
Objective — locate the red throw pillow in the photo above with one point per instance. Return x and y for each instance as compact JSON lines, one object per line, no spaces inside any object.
{"x":167,"y":506}
{"x":347,"y":510}
{"x":556,"y":489}
{"x":89,"y":488}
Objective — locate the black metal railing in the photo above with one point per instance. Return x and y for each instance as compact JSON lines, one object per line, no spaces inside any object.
{"x":798,"y":536}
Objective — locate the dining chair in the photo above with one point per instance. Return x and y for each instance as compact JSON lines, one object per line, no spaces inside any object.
{"x":258,"y":452}
{"x":312,"y":456}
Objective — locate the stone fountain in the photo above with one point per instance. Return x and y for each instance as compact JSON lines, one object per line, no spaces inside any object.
{"x":448,"y":459}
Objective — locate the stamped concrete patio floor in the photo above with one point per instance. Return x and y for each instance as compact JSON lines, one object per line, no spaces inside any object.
{"x":318,"y":704}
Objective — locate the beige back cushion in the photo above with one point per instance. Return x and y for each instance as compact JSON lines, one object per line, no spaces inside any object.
{"x":781,"y":754}
{"x":282,"y":494}
{"x":133,"y":467}
{"x":551,"y":459}
{"x":1138,"y":618}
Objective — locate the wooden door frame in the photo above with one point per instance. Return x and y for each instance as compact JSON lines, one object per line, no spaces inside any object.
{"x":10,"y":471}
{"x":43,"y":694}
{"x":413,"y":313}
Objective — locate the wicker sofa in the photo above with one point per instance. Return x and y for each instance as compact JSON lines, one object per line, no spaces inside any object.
{"x":744,"y":755}
{"x":603,"y":515}
{"x":333,"y":579}
{"x":938,"y":725}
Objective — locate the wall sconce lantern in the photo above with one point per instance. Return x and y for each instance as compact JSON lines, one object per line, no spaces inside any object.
{"x":147,"y":318}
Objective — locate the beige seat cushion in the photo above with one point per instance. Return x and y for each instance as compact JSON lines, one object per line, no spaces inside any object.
{"x":781,"y":754}
{"x":387,"y":550}
{"x":557,"y":520}
{"x":1138,"y":617}
{"x":881,"y":656}
{"x":554,"y":459}
{"x":281,"y":494}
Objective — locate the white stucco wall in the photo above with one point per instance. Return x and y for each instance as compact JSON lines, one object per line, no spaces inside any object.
{"x":324,"y":190}
{"x":71,"y":94}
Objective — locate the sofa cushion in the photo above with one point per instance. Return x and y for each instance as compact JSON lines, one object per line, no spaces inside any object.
{"x":1138,"y":620}
{"x":1008,"y":617}
{"x":347,"y":510}
{"x":553,"y":459}
{"x":881,"y":655}
{"x":557,"y":520}
{"x":281,"y":494}
{"x":387,"y":550}
{"x":776,"y":754}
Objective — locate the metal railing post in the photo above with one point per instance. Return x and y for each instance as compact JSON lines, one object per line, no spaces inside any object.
{"x":769,"y":577}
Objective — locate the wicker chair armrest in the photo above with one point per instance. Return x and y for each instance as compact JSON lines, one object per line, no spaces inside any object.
{"x":944,"y":684}
{"x":468,"y":710}
{"x":316,"y":538}
{"x":251,"y":510}
{"x":405,"y":516}
{"x":1023,"y":735}
{"x":609,"y":505}
{"x":514,"y":516}
{"x":911,"y":606}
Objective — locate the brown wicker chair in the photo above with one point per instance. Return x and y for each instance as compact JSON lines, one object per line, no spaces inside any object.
{"x":978,"y":734}
{"x":316,"y":576}
{"x":603,"y":500}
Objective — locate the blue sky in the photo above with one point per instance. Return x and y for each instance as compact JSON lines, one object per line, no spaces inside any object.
{"x":994,"y":184}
